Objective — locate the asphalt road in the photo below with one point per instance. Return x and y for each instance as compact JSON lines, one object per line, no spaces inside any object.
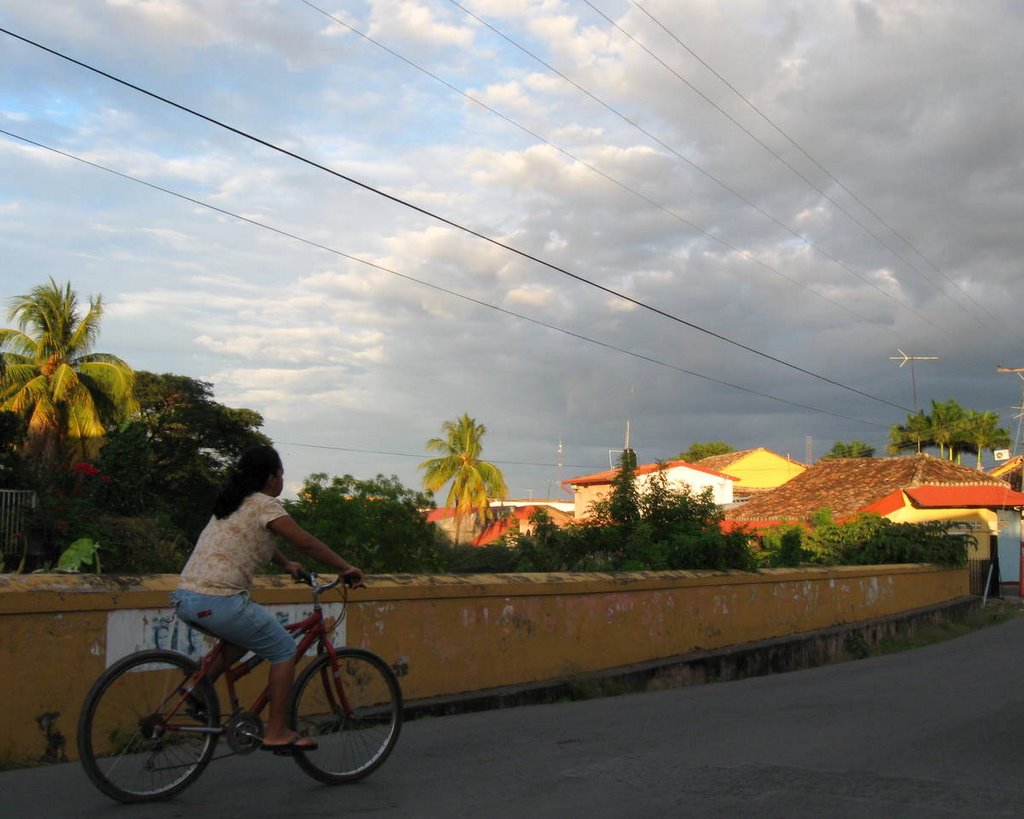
{"x":933,"y":732}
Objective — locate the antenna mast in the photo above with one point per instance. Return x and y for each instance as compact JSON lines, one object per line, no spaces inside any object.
{"x":903,"y":358}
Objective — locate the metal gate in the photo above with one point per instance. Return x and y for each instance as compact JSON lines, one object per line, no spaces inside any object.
{"x":984,"y":573}
{"x":16,"y":506}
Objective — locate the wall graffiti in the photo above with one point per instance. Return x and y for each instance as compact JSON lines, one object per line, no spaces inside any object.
{"x":132,"y":630}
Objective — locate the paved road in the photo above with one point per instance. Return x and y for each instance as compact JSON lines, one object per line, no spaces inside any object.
{"x":935,"y":732}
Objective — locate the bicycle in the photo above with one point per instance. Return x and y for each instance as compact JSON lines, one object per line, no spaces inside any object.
{"x":150,"y":724}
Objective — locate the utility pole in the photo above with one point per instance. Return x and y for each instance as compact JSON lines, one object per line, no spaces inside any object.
{"x":904,"y":358}
{"x":1020,"y":374}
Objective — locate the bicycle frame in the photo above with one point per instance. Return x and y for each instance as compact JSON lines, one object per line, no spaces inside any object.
{"x":312,"y":630}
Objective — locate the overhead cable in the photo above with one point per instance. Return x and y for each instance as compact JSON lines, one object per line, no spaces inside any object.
{"x":814,"y":161}
{"x":432,"y":286}
{"x":782,"y":160}
{"x":697,"y":167}
{"x":444,"y":220}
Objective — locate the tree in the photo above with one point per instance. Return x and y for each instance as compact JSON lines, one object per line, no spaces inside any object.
{"x":982,"y":431}
{"x":698,"y":452}
{"x":473,"y":481}
{"x":12,"y":433}
{"x":65,"y":392}
{"x":622,"y":506}
{"x":914,"y":435}
{"x":377,"y":524}
{"x":192,"y":441}
{"x":947,"y":426}
{"x":854,"y":449}
{"x":950,"y":428}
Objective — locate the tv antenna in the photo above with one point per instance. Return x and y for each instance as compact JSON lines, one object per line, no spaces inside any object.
{"x":1020,"y":374}
{"x":905,"y":358}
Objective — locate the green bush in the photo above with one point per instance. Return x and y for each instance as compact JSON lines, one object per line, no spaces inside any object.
{"x":864,"y":540}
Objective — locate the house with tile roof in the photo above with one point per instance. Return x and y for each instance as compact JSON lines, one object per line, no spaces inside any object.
{"x":505,"y":516}
{"x":595,"y":487}
{"x":754,"y":470}
{"x":911,"y":489}
{"x":518,"y":518}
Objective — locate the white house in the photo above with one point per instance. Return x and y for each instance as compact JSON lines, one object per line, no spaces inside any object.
{"x":595,"y":487}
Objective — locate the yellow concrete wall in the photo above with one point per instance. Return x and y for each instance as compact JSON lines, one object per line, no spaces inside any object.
{"x":453,"y":633}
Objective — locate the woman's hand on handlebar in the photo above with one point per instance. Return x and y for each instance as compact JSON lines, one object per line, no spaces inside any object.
{"x":296,"y":570}
{"x":353,"y":578}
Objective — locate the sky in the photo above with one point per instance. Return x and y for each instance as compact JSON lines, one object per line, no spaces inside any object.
{"x":693,"y":221}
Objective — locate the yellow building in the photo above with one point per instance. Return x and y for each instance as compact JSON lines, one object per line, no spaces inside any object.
{"x":754,"y":470}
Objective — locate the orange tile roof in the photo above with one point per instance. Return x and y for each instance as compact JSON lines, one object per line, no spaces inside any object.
{"x":434,"y":515}
{"x":850,"y":485}
{"x":608,"y":475}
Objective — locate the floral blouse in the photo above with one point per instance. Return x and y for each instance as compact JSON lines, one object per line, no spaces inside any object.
{"x":231,"y":549}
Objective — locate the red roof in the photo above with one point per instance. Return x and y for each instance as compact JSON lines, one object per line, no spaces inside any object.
{"x":434,"y":515}
{"x":499,"y":527}
{"x":983,"y":495}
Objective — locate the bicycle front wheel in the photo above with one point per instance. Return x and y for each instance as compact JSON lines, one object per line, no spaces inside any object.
{"x":137,"y":739}
{"x":354,"y":716}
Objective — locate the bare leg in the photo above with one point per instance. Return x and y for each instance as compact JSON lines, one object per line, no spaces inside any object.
{"x":282,"y":677}
{"x":228,"y":656}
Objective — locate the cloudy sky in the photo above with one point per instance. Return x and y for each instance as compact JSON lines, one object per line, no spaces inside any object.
{"x":715,"y":220}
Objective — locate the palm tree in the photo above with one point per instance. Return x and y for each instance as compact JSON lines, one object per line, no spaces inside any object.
{"x":474,"y":482}
{"x":913,"y":435}
{"x":947,"y":429}
{"x":854,"y":449}
{"x":982,"y":431}
{"x":50,"y":377}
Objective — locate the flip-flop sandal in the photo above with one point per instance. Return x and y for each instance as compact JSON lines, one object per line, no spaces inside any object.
{"x":289,"y":748}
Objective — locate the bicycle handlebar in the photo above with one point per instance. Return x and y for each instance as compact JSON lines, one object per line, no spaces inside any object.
{"x":309,"y":577}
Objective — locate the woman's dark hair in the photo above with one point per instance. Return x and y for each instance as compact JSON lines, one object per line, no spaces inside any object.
{"x":249,"y":475}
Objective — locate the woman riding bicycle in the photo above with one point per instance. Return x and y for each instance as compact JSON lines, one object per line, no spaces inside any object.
{"x":213,"y":590}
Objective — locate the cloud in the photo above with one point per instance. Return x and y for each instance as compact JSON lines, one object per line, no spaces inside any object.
{"x":412,"y":22}
{"x":875,"y":203}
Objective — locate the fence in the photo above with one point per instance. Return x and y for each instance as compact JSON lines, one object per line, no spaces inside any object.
{"x":15,"y":508}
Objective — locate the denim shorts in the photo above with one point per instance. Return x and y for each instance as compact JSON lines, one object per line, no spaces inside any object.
{"x":235,"y":618}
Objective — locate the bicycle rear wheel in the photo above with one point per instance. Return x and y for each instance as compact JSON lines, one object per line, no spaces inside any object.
{"x":132,"y":746}
{"x":355,"y":718}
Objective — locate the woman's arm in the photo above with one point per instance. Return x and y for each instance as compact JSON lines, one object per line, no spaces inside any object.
{"x":289,"y":566}
{"x":309,"y":545}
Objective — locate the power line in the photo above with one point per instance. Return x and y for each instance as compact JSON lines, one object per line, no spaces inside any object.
{"x":421,"y":457}
{"x":438,"y":288}
{"x":778,"y":157}
{"x":449,"y":222}
{"x":706,"y":173}
{"x":745,"y":254}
